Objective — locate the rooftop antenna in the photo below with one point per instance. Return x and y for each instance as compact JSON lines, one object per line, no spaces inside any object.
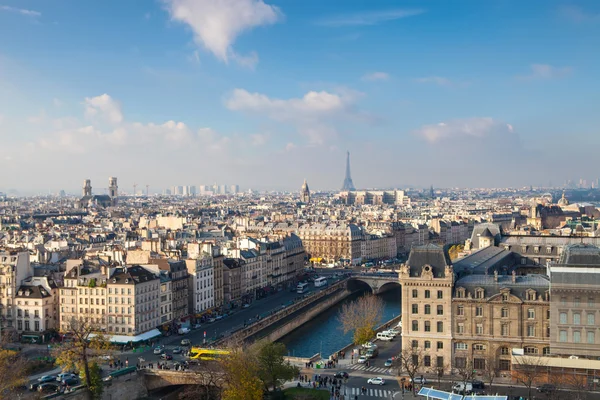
{"x":147,"y":186}
{"x":134,"y":189}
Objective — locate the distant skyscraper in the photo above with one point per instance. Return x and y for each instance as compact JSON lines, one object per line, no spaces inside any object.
{"x":348,"y":184}
{"x":234,"y":189}
{"x":431,"y":192}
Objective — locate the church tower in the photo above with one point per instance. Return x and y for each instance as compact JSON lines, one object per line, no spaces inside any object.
{"x":113,"y":190}
{"x":87,"y":188}
{"x":305,"y":193}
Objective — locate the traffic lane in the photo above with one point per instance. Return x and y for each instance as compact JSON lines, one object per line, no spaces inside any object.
{"x":357,"y":382}
{"x":387,"y":349}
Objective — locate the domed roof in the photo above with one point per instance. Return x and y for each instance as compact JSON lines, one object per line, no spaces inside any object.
{"x":305,"y":186}
{"x":563,"y":200}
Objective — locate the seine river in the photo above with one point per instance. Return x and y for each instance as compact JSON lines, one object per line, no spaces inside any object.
{"x":323,"y":335}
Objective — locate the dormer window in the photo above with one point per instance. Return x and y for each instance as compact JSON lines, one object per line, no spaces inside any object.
{"x":531,"y":295}
{"x":479,"y":293}
{"x":460,"y":293}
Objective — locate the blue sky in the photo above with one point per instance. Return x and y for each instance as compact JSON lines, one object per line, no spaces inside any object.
{"x":267,"y":93}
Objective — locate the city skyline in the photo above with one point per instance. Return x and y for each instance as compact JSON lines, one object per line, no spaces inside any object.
{"x":471,"y":94}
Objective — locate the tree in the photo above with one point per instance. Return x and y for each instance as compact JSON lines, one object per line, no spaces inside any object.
{"x":439,"y":371}
{"x":213,"y":378}
{"x":241,"y":376}
{"x":362,"y":317}
{"x":528,"y":369}
{"x":577,"y":385}
{"x":87,"y":344}
{"x":12,"y":373}
{"x":410,"y":361}
{"x":491,"y":370}
{"x":273,"y":369}
{"x":464,"y":369}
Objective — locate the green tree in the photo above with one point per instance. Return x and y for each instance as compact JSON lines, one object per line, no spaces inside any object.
{"x":12,"y":373}
{"x":87,"y":344}
{"x":241,"y":376}
{"x":273,"y":369}
{"x":362,"y":317}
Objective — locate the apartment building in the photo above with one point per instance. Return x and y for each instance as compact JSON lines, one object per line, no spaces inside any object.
{"x":14,"y":269}
{"x":232,"y":280}
{"x":332,"y":242}
{"x":166,"y":298}
{"x":119,"y":301}
{"x":201,"y":293}
{"x":36,"y":308}
{"x":427,"y":281}
{"x":177,"y":272}
{"x":575,"y":302}
{"x":494,"y":314}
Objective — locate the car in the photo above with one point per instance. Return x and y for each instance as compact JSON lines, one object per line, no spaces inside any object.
{"x":388,"y":362}
{"x":48,"y":388}
{"x":394,"y":332}
{"x":47,"y":378}
{"x":341,"y":374}
{"x":34,"y":386}
{"x":107,"y":378}
{"x":166,"y":356}
{"x":66,"y":375}
{"x":177,"y":350}
{"x":219,"y":317}
{"x":211,"y":320}
{"x":196,"y":326}
{"x":362,"y":359}
{"x":369,"y":345}
{"x":376,"y":381}
{"x":246,"y":305}
{"x":158,"y":350}
{"x":546,"y":388}
{"x":69,"y":382}
{"x":186,"y":342}
{"x":420,"y":380}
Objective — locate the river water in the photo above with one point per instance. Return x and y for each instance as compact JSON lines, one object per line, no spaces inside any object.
{"x":322,"y":334}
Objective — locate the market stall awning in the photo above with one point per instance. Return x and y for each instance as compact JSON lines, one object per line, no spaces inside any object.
{"x":131,"y":339}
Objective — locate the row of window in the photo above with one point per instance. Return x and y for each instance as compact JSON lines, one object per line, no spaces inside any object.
{"x":576,"y":337}
{"x":505,"y":351}
{"x":577,"y":301}
{"x":504,"y":329}
{"x":427,"y":294}
{"x":591,"y":318}
{"x":427,"y":326}
{"x":460,"y":311}
{"x":427,"y":345}
{"x":36,"y":326}
{"x":427,"y":309}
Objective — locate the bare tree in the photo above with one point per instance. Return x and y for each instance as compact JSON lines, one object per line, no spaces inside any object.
{"x":362,"y":317}
{"x":577,"y":385}
{"x":410,"y":361}
{"x":212,"y":376}
{"x":490,"y":370}
{"x":439,"y":372}
{"x":464,"y":369}
{"x":528,"y":369}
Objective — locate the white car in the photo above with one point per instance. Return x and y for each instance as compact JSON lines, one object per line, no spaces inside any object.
{"x":62,"y":377}
{"x":376,"y":381}
{"x":158,"y":350}
{"x":369,"y":345}
{"x":362,"y":359}
{"x":394,"y":332}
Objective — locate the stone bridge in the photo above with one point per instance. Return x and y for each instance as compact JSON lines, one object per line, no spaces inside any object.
{"x":378,"y":283}
{"x":160,"y":378}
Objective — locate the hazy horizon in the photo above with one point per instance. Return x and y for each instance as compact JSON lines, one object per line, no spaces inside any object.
{"x":264,"y":94}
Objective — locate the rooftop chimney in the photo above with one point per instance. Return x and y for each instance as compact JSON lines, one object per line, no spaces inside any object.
{"x":496,"y":276}
{"x":514,"y":277}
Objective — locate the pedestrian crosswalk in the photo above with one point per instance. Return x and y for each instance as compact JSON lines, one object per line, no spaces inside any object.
{"x":363,"y":367}
{"x":387,"y":394}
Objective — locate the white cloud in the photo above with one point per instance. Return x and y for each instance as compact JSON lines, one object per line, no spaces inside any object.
{"x":258,"y":139}
{"x":478,"y":127}
{"x":368,"y":18}
{"x":438,"y":80}
{"x":546,"y":71}
{"x":217,"y":23}
{"x":312,"y":114}
{"x":290,"y":146}
{"x":104,"y":106}
{"x":22,"y":11}
{"x":376,"y":76}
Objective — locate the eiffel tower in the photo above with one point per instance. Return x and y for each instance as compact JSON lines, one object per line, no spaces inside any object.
{"x":348,"y":185}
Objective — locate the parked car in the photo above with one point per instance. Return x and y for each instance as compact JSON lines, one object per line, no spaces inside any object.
{"x":34,"y":386}
{"x":64,"y":376}
{"x":70,"y":382}
{"x":158,"y":350}
{"x":47,"y":378}
{"x":246,"y":305}
{"x":388,"y":362}
{"x":376,"y":381}
{"x":394,"y":332}
{"x":196,"y":326}
{"x":177,"y":350}
{"x":461,"y":387}
{"x":369,"y":345}
{"x":546,"y":388}
{"x":48,"y":388}
{"x":420,"y":380}
{"x":186,"y":342}
{"x":362,"y":359}
{"x":211,"y":320}
{"x":183,"y":331}
{"x":341,"y":374}
{"x":166,"y":356}
{"x":219,"y":317}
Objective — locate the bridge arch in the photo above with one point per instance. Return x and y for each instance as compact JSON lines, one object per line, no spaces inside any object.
{"x":388,"y":286}
{"x":354,"y":285}
{"x":376,"y":284}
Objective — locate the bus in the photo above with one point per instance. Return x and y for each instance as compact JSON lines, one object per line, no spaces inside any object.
{"x":322,"y":281}
{"x":199,"y":353}
{"x":302,"y":287}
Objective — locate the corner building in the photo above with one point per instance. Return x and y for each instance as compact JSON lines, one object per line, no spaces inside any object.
{"x":427,"y":281}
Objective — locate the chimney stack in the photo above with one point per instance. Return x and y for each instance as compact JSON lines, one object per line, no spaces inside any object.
{"x":496,"y":276}
{"x":514,"y":277}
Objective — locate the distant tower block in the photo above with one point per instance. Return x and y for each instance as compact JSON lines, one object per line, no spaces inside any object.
{"x":113,"y":189}
{"x":87,"y":188}
{"x":348,"y":184}
{"x":305,"y":193}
